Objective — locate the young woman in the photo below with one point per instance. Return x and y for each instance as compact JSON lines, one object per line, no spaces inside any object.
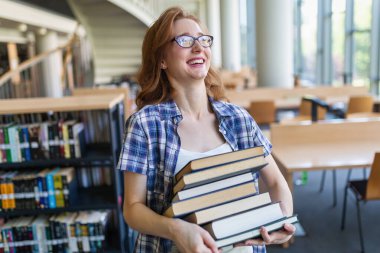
{"x":183,"y":116}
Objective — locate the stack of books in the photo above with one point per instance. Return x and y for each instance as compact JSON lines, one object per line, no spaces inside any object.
{"x":219,"y":193}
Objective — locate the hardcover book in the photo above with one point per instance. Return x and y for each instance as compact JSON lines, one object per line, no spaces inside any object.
{"x":215,"y":160}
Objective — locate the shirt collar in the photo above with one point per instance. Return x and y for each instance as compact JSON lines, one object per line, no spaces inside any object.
{"x":169,"y":110}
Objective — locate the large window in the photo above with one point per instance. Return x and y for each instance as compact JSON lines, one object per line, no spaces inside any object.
{"x":362,"y":39}
{"x":338,"y":36}
{"x":306,"y":40}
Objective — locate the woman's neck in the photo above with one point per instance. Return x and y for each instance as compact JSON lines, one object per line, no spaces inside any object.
{"x":192,"y":101}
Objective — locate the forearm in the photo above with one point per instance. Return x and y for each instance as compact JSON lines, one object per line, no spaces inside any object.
{"x":143,"y":219}
{"x":277,"y":186}
{"x":279,"y":192}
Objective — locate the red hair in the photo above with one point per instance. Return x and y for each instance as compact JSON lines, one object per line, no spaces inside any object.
{"x":155,"y":87}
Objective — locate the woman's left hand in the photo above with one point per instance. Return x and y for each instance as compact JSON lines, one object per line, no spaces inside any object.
{"x":277,"y":237}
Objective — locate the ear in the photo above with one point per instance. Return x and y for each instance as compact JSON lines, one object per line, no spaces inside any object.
{"x":163,"y":65}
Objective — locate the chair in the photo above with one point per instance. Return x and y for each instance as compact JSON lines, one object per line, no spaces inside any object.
{"x":357,"y":107}
{"x":363,"y":190}
{"x":362,"y":103}
{"x":264,"y":111}
{"x":305,"y":113}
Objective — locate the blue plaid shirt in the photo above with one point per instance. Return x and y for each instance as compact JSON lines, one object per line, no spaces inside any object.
{"x":151,"y":146}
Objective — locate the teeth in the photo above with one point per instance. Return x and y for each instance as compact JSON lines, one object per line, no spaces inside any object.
{"x":196,"y":61}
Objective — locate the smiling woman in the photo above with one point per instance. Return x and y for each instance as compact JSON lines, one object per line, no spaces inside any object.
{"x":182,"y":111}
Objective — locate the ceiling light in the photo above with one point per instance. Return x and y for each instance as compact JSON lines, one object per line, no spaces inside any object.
{"x":42,"y":31}
{"x":23,"y":27}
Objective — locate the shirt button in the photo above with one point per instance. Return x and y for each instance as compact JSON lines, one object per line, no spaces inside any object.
{"x":224,"y":132}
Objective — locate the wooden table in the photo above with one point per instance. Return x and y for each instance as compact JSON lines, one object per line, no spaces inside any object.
{"x":290,"y":98}
{"x":328,"y":145}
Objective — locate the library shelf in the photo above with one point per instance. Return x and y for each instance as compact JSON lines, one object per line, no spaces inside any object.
{"x":110,"y":109}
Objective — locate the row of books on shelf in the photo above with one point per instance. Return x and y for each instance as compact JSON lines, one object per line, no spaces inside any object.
{"x":45,"y":140}
{"x":219,"y":194}
{"x":94,"y":176}
{"x":75,"y":232}
{"x":36,"y":189}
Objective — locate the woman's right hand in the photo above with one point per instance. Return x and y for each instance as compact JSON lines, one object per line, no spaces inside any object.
{"x":191,"y":238}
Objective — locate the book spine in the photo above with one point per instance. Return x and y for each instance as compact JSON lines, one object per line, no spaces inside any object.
{"x":85,"y":238}
{"x":65,"y":191}
{"x":78,"y":233}
{"x":21,"y":144}
{"x":58,"y":190}
{"x":73,"y":244}
{"x":50,"y":190}
{"x":19,"y":194}
{"x":49,"y":240}
{"x":14,"y":144}
{"x":61,"y":142}
{"x":92,"y":237}
{"x":4,"y":194}
{"x":30,"y":196}
{"x":11,"y":197}
{"x":3,"y":156}
{"x":71,"y":140}
{"x":51,"y":138}
{"x":65,"y":133}
{"x":42,"y":189}
{"x":37,"y":196}
{"x":27,"y":153}
{"x":1,"y":242}
{"x":10,"y":240}
{"x":43,"y":136}
{"x":7,"y":146}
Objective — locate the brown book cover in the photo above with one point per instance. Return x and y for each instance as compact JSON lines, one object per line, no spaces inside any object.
{"x":181,"y":208}
{"x":220,"y":211}
{"x":213,"y":174}
{"x":215,"y":160}
{"x":214,"y":186}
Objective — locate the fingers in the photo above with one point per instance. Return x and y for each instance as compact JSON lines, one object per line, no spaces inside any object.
{"x":277,"y":237}
{"x":265,"y":235}
{"x":290,"y":228}
{"x":209,"y":242}
{"x":250,"y":242}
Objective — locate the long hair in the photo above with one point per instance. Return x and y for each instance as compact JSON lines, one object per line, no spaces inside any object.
{"x":155,"y":87}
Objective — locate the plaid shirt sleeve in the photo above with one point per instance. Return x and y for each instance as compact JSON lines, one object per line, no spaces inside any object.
{"x":258,"y":137}
{"x":249,"y":132}
{"x":134,"y":153}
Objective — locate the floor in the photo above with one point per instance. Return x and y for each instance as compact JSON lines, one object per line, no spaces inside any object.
{"x":321,"y":221}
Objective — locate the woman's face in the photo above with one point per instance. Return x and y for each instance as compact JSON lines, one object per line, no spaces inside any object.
{"x":186,"y":64}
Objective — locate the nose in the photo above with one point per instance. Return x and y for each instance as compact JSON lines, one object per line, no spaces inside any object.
{"x":197,"y":47}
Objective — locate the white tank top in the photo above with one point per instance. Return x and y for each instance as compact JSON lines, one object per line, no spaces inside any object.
{"x":186,"y":156}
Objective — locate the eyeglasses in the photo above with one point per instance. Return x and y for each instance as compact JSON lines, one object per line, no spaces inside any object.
{"x":187,"y":41}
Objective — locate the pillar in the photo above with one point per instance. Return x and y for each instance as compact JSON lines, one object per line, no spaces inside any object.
{"x":213,"y":24}
{"x":230,"y":21}
{"x":51,"y":66}
{"x":274,"y":43}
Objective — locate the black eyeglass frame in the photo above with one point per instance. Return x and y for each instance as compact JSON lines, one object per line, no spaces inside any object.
{"x":194,"y":39}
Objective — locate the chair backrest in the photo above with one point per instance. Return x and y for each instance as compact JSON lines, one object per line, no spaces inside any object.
{"x":305,"y":110}
{"x":264,"y":112}
{"x":363,"y":103}
{"x":373,"y":185}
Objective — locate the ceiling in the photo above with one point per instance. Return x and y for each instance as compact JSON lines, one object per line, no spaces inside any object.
{"x":58,"y":6}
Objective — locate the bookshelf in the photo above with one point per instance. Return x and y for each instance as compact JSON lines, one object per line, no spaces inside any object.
{"x":107,"y":197}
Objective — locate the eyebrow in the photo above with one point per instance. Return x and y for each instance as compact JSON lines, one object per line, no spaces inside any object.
{"x":198,"y":34}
